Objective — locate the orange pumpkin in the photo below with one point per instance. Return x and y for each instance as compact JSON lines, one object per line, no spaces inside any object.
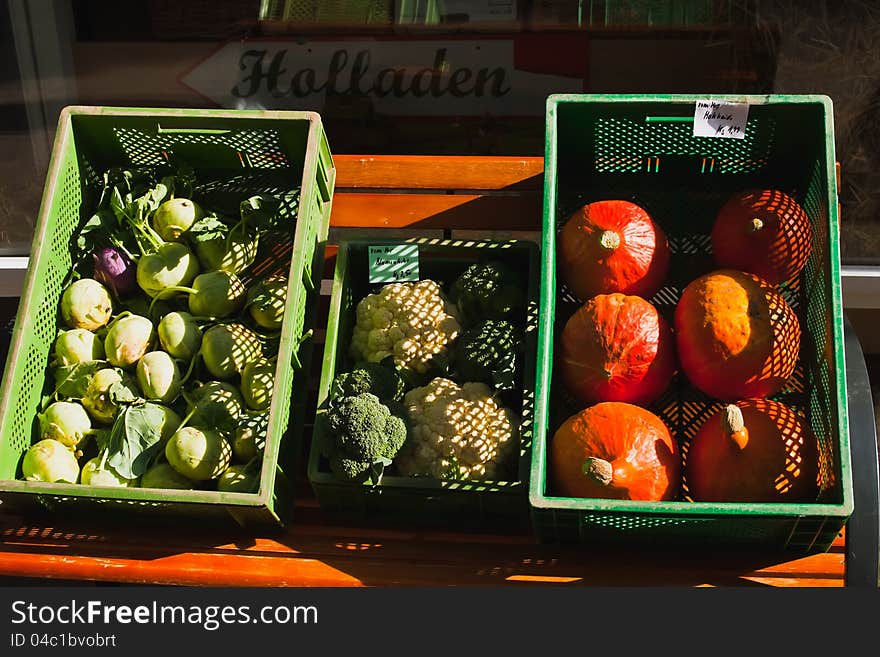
{"x":612,"y":246}
{"x":736,"y":336}
{"x":757,"y":450}
{"x":616,"y":348}
{"x":615,"y":450}
{"x":764,"y":232}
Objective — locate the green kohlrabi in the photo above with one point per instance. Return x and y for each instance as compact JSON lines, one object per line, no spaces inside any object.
{"x":67,"y":422}
{"x":239,"y":478}
{"x":197,"y":453}
{"x":96,"y":472}
{"x":106,"y":389}
{"x":227,"y":348}
{"x":162,"y":475}
{"x":128,"y":339}
{"x":266,"y":301}
{"x":250,"y":436}
{"x":158,"y":376}
{"x":86,"y":304}
{"x":172,"y":264}
{"x":175,"y":217}
{"x":257,"y":384}
{"x":51,"y":461}
{"x":77,"y":346}
{"x":221,"y":247}
{"x":180,"y":335}
{"x":215,"y":404}
{"x":215,"y":294}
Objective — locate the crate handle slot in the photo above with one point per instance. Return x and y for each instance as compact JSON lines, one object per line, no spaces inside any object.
{"x":669,"y":119}
{"x":191,"y":131}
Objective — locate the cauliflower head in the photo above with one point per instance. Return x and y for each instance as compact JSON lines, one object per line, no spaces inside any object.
{"x":412,"y":322}
{"x":458,"y":432}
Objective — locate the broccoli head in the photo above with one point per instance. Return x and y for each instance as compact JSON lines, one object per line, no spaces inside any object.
{"x":375,"y":378}
{"x":487,"y":353}
{"x":365,"y":433}
{"x":486,"y":290}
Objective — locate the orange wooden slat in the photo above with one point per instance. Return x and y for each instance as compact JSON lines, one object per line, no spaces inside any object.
{"x":315,"y":553}
{"x":439,"y":172}
{"x":451,"y":211}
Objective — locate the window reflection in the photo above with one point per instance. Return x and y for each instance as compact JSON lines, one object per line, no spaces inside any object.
{"x":431,"y":76}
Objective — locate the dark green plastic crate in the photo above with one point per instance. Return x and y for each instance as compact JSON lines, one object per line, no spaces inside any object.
{"x":642,"y":149}
{"x":236,"y":151}
{"x":420,"y":500}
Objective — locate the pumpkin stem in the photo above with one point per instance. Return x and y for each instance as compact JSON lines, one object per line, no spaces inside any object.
{"x":609,"y":240}
{"x":599,"y":470}
{"x":734,"y":425}
{"x":756,"y":225}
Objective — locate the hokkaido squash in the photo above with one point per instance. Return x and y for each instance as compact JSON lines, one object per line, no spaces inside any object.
{"x":612,"y":246}
{"x":757,"y":450}
{"x":614,"y":450}
{"x":764,"y":232}
{"x":736,"y":337}
{"x":616,"y":348}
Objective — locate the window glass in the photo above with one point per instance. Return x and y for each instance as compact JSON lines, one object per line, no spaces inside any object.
{"x":430,"y":76}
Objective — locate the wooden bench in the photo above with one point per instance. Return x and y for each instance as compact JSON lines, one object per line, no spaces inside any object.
{"x":451,"y":197}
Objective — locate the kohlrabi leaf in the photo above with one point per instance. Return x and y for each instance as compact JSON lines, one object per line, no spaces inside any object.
{"x":208,"y":228}
{"x":134,"y":439}
{"x":122,"y":393}
{"x":72,"y":381}
{"x":260,"y":213}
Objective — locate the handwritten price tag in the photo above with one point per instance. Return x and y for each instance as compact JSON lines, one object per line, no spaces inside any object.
{"x":393,"y":263}
{"x":716,"y":119}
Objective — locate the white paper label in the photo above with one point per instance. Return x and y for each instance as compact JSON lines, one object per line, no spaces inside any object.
{"x":717,"y":119}
{"x":393,"y":263}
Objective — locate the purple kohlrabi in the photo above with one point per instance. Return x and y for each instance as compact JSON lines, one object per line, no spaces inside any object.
{"x":116,"y":270}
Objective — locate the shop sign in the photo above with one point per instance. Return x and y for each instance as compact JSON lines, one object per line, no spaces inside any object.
{"x":400,"y":77}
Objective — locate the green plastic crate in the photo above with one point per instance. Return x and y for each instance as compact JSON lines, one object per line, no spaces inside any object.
{"x":236,"y":151}
{"x":642,"y":149}
{"x":420,"y":500}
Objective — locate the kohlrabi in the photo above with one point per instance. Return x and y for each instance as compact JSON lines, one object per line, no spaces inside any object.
{"x":257,"y":383}
{"x":197,"y":453}
{"x":219,"y":246}
{"x":86,"y":304}
{"x":180,"y":335}
{"x":175,"y":217}
{"x":67,"y":422}
{"x":215,"y":404}
{"x":51,"y":461}
{"x":239,"y":478}
{"x":250,"y":436}
{"x":172,"y":264}
{"x":162,"y":475}
{"x":97,"y":472}
{"x":227,"y":348}
{"x":158,"y":376}
{"x":213,"y":294}
{"x":115,"y":270}
{"x":266,"y":301}
{"x":128,"y":339}
{"x":99,"y":399}
{"x":169,"y":424}
{"x":77,"y":346}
